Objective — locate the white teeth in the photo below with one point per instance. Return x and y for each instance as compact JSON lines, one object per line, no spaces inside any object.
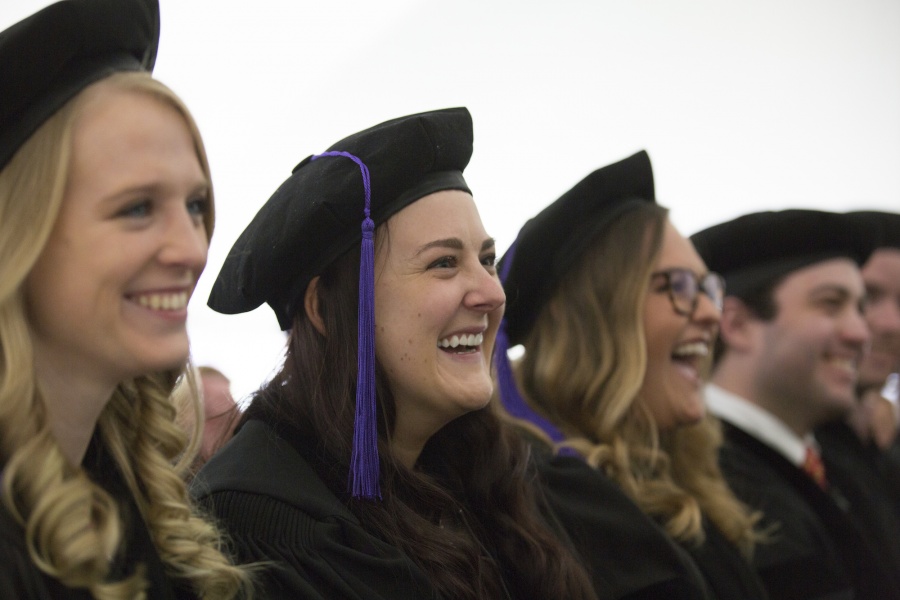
{"x":691,"y":349}
{"x":177,"y":301}
{"x":471,"y":340}
{"x":844,"y":363}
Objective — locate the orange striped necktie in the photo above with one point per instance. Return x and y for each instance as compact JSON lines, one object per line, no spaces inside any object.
{"x":813,"y":466}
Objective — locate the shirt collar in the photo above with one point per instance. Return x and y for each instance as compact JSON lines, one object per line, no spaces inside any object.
{"x":759,"y":423}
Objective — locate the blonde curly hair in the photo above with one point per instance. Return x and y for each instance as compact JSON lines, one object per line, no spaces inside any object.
{"x":72,"y":525}
{"x":583,"y":368}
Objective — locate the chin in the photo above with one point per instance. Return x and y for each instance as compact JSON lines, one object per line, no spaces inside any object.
{"x":694,"y":411}
{"x":872,"y":376}
{"x":176,"y":359}
{"x":842,"y":404}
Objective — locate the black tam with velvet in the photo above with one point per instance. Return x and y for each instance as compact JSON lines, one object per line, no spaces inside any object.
{"x":754,"y":250}
{"x":551,"y":242}
{"x":316,"y":214}
{"x":882,"y":228}
{"x":47,"y":58}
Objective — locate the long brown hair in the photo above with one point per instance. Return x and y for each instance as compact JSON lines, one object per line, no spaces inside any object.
{"x":473,"y":474}
{"x":584,"y":366}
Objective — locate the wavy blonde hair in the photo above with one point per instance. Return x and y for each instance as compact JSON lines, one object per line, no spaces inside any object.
{"x":72,"y":525}
{"x":583,"y":368}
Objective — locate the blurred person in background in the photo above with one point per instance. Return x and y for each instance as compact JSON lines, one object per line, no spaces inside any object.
{"x":792,"y":336}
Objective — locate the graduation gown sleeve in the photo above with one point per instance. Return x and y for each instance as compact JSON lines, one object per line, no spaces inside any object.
{"x":21,"y":579}
{"x":276,"y":510}
{"x":730,"y":576}
{"x":628,"y":555}
{"x":814,"y":551}
{"x":856,"y":470}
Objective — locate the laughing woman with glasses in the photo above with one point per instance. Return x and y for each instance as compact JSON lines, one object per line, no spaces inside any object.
{"x":617,"y":315}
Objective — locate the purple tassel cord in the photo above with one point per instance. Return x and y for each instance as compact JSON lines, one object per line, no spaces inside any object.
{"x":364,"y":462}
{"x":512,"y":400}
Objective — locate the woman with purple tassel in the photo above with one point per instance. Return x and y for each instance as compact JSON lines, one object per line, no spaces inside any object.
{"x":617,"y":315}
{"x":371,"y":466}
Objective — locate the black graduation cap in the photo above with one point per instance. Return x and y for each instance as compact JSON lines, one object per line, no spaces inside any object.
{"x":550,"y":243}
{"x":754,"y":250}
{"x":315,"y":216}
{"x":882,"y":228}
{"x":547,"y":246}
{"x":47,"y":58}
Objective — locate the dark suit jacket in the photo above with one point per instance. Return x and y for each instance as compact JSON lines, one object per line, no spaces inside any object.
{"x":816,"y":550}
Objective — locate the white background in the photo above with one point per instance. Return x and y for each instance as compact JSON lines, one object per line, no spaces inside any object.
{"x":743,"y":105}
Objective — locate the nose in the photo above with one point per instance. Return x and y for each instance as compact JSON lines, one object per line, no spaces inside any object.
{"x":486,"y":293}
{"x":706,"y":313}
{"x":854,"y":329}
{"x":184,"y":242}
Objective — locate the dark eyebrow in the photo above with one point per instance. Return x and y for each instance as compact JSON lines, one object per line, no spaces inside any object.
{"x":831,"y":288}
{"x":454,"y":244}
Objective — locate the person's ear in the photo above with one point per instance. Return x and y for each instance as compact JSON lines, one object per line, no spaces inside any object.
{"x":311,"y":305}
{"x":737,"y":325}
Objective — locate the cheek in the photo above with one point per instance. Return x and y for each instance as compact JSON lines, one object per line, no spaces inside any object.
{"x":660,"y":341}
{"x":400,"y":338}
{"x":661,"y":326}
{"x":54,"y":291}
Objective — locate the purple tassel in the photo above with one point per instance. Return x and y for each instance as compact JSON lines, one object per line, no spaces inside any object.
{"x":512,"y":400}
{"x":364,"y":462}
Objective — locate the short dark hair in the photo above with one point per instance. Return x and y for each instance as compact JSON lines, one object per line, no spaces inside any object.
{"x":760,"y":300}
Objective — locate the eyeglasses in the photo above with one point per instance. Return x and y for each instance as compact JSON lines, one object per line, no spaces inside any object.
{"x":684,"y":287}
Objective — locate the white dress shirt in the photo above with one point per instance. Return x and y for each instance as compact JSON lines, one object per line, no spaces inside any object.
{"x":759,"y":423}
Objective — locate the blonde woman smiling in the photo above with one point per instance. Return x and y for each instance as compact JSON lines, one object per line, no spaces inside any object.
{"x":105,"y":216}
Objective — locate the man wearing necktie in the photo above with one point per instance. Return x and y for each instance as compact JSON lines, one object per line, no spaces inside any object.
{"x":791,"y":338}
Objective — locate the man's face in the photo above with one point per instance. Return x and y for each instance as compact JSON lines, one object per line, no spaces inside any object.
{"x":808,"y":355}
{"x":881,"y":275}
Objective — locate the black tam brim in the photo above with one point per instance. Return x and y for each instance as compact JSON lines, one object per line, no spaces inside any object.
{"x":550,"y":243}
{"x":315,"y":216}
{"x":49,"y":57}
{"x":755,"y":250}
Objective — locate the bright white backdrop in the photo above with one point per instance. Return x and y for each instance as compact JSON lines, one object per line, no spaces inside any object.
{"x":743,"y":105}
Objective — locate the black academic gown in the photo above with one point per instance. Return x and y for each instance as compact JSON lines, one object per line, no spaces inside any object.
{"x":276,"y":509}
{"x":22,"y":580}
{"x":729,"y":575}
{"x":890,"y":470}
{"x":856,"y":470}
{"x":629,"y":556}
{"x":816,"y":551}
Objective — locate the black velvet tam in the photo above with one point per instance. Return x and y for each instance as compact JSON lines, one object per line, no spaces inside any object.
{"x":316,"y":215}
{"x":550,"y":243}
{"x":47,"y":58}
{"x":755,"y":250}
{"x":883,"y":228}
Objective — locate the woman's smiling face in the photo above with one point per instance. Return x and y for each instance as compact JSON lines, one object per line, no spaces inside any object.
{"x":678,"y":346}
{"x":438,"y":304}
{"x":107,"y":298}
